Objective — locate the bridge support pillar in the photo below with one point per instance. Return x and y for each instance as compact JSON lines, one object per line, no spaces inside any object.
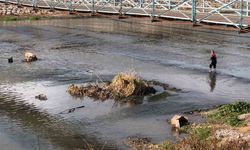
{"x":194,"y":20}
{"x":6,"y":2}
{"x":141,"y":3}
{"x":19,"y":3}
{"x":34,"y":4}
{"x":241,"y":15}
{"x":51,"y":6}
{"x":153,"y":11}
{"x":247,"y":8}
{"x":203,"y":6}
{"x":93,"y":8}
{"x":120,"y":10}
{"x":70,"y":5}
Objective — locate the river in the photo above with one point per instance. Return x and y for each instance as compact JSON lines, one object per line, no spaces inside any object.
{"x":82,"y":50}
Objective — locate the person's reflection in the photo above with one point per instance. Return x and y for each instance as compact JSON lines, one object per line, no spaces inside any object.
{"x":212,"y":80}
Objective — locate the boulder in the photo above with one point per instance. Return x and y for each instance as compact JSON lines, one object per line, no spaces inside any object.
{"x":244,"y":116}
{"x":178,"y":121}
{"x":231,"y":135}
{"x":30,"y":57}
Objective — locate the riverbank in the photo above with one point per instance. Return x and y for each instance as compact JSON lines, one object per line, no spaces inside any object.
{"x":15,"y":10}
{"x":225,"y":127}
{"x":12,"y":12}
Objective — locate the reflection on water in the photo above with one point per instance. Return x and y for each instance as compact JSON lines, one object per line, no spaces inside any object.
{"x":212,"y":80}
{"x":42,"y":129}
{"x":45,"y":126}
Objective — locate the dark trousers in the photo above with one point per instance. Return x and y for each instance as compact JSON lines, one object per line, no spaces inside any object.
{"x":213,"y":64}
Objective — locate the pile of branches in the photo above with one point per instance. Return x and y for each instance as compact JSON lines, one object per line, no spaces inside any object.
{"x":123,"y":85}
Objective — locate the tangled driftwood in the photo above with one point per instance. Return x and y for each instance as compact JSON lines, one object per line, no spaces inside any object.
{"x":127,"y":84}
{"x":124,"y":85}
{"x":95,"y":91}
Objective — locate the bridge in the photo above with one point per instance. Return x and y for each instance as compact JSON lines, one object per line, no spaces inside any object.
{"x":225,"y":12}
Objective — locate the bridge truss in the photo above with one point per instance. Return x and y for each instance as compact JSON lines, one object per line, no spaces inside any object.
{"x":227,"y":12}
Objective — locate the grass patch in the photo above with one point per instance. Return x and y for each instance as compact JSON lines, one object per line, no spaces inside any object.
{"x":168,"y":145}
{"x":193,"y":142}
{"x":202,"y":133}
{"x":34,"y":18}
{"x":9,"y":18}
{"x":15,"y":18}
{"x":228,"y":113}
{"x":201,"y":138}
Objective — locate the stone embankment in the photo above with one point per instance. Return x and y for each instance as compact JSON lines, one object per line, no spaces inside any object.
{"x":14,"y":10}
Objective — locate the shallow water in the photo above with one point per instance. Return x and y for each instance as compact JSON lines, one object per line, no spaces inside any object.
{"x":78,"y":50}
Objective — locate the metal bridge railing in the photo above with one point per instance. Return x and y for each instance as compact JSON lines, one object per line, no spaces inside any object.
{"x":228,"y":12}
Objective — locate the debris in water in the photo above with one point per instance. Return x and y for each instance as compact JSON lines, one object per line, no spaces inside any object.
{"x":129,"y":84}
{"x":124,"y":85}
{"x":41,"y":97}
{"x":95,"y":91}
{"x":67,"y":111}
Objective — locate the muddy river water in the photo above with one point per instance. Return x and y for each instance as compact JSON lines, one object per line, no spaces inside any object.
{"x":80,"y":50}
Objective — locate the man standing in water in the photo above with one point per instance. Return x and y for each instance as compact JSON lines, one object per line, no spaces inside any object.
{"x":213,"y":61}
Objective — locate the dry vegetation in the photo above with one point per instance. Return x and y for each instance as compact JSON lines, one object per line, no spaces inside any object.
{"x":224,"y":130}
{"x":124,"y":85}
{"x":127,"y":84}
{"x":199,"y":138}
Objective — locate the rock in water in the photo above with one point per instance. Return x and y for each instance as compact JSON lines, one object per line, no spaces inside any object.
{"x":29,"y":57}
{"x":41,"y":97}
{"x":10,"y":60}
{"x":178,"y":121}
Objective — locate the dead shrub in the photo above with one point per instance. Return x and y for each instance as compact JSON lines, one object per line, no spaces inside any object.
{"x":124,"y":85}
